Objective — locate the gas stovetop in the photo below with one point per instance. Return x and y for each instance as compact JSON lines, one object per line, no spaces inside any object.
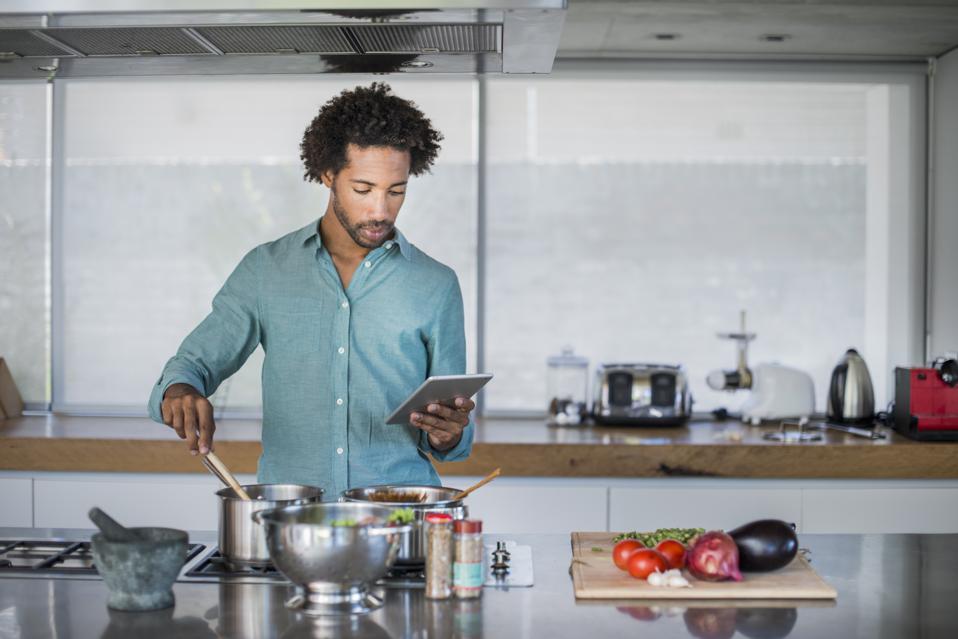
{"x":72,"y":559}
{"x":51,"y":557}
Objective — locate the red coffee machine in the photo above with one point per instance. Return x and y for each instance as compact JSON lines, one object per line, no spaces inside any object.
{"x":926,"y":401}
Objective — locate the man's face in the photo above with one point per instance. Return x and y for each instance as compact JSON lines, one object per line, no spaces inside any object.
{"x":369,"y":191}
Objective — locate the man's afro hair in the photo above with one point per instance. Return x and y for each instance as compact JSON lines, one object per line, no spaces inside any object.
{"x":367,"y":117}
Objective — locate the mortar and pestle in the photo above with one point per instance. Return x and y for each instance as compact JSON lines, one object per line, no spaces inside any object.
{"x":138,"y":565}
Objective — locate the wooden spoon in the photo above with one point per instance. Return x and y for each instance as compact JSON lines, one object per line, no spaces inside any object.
{"x":488,"y":478}
{"x":218,"y":468}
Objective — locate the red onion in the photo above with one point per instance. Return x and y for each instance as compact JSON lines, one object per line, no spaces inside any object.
{"x":714,"y":557}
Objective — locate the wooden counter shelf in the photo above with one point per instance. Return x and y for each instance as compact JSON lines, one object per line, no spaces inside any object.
{"x":521,"y":447}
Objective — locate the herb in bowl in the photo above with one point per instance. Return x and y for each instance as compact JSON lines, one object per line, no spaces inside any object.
{"x":401,"y":516}
{"x":343,"y":523}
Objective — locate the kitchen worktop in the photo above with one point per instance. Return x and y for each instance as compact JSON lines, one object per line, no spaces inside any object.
{"x":888,"y":586}
{"x":521,"y":447}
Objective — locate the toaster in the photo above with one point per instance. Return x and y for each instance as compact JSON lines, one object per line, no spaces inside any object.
{"x":641,"y":394}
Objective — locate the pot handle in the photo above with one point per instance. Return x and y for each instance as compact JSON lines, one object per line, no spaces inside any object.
{"x":295,"y":602}
{"x":256,"y":516}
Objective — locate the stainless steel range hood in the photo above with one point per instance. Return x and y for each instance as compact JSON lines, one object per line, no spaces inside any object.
{"x":98,"y":38}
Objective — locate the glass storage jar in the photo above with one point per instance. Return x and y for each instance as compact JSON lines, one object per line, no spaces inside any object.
{"x":567,"y":381}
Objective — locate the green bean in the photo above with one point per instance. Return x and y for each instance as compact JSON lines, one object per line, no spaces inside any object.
{"x":652,"y":539}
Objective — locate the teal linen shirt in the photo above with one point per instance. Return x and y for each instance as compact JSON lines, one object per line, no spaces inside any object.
{"x":336,"y":362}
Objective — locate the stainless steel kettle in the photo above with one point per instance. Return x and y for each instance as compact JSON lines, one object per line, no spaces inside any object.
{"x":851,"y":397}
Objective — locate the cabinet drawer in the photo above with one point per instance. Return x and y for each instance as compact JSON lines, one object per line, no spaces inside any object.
{"x":16,"y":502}
{"x":705,"y":507}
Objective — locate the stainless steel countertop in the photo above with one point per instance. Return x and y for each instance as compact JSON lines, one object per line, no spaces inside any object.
{"x":888,"y":586}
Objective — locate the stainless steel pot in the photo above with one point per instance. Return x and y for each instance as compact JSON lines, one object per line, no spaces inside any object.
{"x":242,"y":541}
{"x":412,"y":548}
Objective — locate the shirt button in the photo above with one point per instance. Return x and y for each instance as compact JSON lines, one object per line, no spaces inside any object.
{"x":388,"y":244}
{"x":339,"y":401}
{"x":345,"y":304}
{"x":339,"y":451}
{"x":341,"y":350}
{"x":368,"y":264}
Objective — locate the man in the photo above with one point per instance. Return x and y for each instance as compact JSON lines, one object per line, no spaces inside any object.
{"x":350,"y":315}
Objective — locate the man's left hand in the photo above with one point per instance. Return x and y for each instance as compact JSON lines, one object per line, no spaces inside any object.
{"x":444,"y":425}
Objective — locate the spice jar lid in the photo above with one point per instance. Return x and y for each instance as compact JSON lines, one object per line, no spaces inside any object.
{"x":467,"y":526}
{"x":438,"y":518}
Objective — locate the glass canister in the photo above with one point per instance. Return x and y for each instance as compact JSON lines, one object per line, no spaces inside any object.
{"x":439,"y":555}
{"x":567,"y":387}
{"x":467,"y":575}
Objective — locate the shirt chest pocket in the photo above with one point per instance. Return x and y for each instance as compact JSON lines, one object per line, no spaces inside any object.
{"x":294,"y":327}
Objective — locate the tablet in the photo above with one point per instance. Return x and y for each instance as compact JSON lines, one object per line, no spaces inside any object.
{"x":439,"y":389}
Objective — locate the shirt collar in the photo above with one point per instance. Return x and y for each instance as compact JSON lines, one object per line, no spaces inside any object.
{"x":404,"y":246}
{"x":311,"y":231}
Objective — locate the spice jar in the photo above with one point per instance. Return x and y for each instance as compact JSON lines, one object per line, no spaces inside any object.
{"x":438,"y":555}
{"x":467,"y":577}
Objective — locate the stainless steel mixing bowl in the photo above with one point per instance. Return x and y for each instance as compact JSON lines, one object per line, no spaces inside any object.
{"x":334,"y":551}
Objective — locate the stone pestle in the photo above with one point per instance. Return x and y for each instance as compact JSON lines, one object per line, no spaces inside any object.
{"x":110,"y":528}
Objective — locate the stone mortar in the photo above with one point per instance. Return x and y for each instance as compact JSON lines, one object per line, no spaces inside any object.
{"x":140,"y":574}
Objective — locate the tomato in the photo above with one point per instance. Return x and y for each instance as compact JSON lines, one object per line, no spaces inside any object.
{"x":641,"y":613}
{"x":674,"y":551}
{"x":622,"y":550}
{"x":645,"y":561}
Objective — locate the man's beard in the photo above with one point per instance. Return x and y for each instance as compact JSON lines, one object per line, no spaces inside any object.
{"x":354,"y":231}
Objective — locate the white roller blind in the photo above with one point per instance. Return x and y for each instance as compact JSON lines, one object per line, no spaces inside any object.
{"x":169,"y":182}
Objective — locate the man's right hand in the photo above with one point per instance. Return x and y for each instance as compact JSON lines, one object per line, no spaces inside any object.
{"x":186,"y":411}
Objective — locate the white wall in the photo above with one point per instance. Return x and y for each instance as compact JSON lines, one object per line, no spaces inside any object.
{"x":943,"y":244}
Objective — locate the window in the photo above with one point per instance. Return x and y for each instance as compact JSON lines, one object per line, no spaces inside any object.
{"x":169,"y":182}
{"x":24,"y":238}
{"x":629,"y":210}
{"x":632,"y":216}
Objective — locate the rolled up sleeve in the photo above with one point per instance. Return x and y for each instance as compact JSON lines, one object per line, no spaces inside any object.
{"x":221,"y":343}
{"x":446,"y":348}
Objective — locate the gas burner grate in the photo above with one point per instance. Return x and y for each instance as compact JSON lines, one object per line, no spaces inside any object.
{"x":404,"y":576}
{"x":55,"y":557}
{"x":216,"y":565}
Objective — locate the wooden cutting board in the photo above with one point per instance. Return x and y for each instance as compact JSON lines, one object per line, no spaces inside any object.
{"x":596,"y":577}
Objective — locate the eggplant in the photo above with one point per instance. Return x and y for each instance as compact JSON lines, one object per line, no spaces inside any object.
{"x":765,"y":623}
{"x":765,"y":545}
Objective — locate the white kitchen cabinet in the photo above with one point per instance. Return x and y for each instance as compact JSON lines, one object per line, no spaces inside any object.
{"x":516,"y":506}
{"x":524,"y":504}
{"x":16,"y":502}
{"x":880,"y":510}
{"x":184,"y":501}
{"x":704,"y":505}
